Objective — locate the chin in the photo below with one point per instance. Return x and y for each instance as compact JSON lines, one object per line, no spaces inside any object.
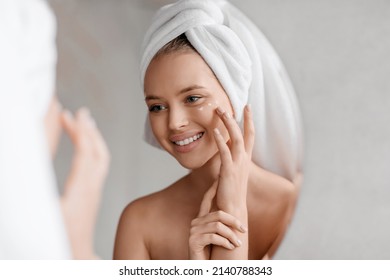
{"x":193,"y":162}
{"x":191,"y":165}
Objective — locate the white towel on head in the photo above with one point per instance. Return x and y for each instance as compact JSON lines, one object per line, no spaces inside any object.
{"x":31,"y":223}
{"x":248,"y":68}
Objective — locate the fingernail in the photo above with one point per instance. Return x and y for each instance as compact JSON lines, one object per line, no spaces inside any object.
{"x":239,"y":242}
{"x":216,"y":131}
{"x":220,"y":111}
{"x":248,"y":107}
{"x":232,"y":246}
{"x":243,"y":228}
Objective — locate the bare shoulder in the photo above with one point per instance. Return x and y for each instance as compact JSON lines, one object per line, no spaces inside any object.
{"x":271,"y":202}
{"x":130,"y":241}
{"x":139,"y":220}
{"x":273,"y":191}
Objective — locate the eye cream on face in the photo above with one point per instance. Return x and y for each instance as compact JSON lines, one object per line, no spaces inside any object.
{"x":209,"y":105}
{"x":213,"y":105}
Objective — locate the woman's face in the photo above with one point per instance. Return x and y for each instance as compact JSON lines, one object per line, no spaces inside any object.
{"x":182,"y":93}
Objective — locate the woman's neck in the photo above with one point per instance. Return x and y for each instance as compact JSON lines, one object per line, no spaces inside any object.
{"x":203,"y":177}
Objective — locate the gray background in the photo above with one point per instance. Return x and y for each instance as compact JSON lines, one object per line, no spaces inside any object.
{"x":337,"y":54}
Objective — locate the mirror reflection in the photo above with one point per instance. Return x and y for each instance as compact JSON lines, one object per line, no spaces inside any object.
{"x":189,"y":120}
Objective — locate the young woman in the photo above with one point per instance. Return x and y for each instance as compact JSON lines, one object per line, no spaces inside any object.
{"x":227,"y":207}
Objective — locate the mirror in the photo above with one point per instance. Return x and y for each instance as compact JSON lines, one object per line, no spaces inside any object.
{"x":99,"y":48}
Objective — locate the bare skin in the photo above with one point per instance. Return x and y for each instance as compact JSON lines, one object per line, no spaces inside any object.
{"x":158,"y":226}
{"x":82,"y":191}
{"x":226,"y":207}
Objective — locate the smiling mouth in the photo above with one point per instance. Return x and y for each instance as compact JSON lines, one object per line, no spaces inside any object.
{"x":189,"y":140}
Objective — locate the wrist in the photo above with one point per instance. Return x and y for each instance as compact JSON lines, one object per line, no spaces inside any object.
{"x":238,"y":211}
{"x":236,"y":206}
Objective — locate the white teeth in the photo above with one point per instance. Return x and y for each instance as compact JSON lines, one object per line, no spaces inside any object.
{"x":189,"y":140}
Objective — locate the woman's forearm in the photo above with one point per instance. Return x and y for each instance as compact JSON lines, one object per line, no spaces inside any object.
{"x":240,"y":252}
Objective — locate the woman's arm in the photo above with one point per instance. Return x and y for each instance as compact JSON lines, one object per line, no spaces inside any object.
{"x":212,"y":228}
{"x":233,"y":179}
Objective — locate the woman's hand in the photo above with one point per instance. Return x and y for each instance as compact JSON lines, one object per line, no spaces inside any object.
{"x":82,"y":192}
{"x":213,"y":228}
{"x":233,"y":177}
{"x":235,"y":161}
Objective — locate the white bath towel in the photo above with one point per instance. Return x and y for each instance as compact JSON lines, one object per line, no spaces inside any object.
{"x":247,"y":67}
{"x":31,"y":223}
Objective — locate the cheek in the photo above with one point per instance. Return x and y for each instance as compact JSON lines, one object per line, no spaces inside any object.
{"x":156,"y":124}
{"x":208,"y":111}
{"x":207,"y":116}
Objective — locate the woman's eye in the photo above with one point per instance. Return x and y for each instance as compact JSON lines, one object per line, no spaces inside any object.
{"x":192,"y":99}
{"x":156,"y":108}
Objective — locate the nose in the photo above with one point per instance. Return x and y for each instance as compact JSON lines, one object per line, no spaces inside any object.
{"x":177,"y":118}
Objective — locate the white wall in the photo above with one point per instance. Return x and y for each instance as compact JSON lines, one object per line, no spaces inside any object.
{"x":337,"y":54}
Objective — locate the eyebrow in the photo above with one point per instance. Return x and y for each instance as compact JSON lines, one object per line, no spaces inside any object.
{"x":193,"y":87}
{"x":184,"y":90}
{"x":151,"y":97}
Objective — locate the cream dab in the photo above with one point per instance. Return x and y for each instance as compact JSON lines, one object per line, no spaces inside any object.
{"x":209,"y":105}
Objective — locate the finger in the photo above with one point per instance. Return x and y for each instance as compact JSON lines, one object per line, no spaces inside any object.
{"x":228,"y":220}
{"x":215,"y":239}
{"x":96,"y":139}
{"x":220,"y":229}
{"x":83,"y":125}
{"x":223,"y":217}
{"x":223,"y":148}
{"x":234,"y":130}
{"x":207,"y":200}
{"x":92,"y":145}
{"x":249,"y":130}
{"x":216,"y":228}
{"x":84,"y":119}
{"x":68,"y":123}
